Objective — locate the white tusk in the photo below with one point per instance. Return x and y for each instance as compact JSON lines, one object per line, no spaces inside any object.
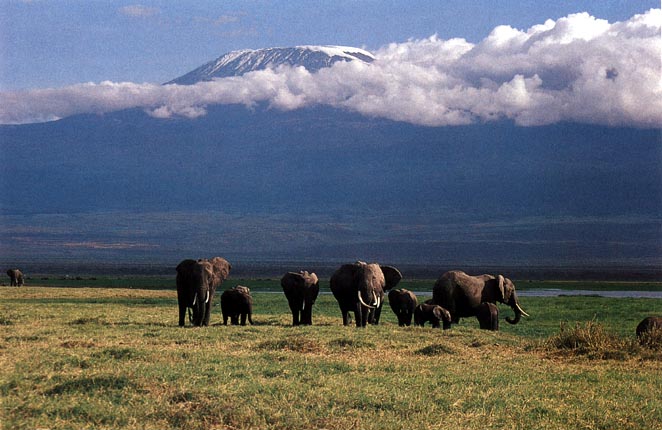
{"x":362,"y":302}
{"x":522,"y":310}
{"x":195,"y":299}
{"x":207,"y":299}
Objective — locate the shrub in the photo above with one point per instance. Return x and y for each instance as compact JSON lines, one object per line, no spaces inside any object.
{"x":593,"y":341}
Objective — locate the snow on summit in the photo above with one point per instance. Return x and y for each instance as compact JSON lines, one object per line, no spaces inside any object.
{"x":237,"y":63}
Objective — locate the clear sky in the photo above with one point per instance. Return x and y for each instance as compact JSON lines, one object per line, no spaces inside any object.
{"x":54,"y":43}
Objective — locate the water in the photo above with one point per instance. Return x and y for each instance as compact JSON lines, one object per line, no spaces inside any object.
{"x":552,"y":292}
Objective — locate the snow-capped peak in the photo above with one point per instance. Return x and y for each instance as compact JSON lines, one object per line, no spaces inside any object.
{"x":312,"y":57}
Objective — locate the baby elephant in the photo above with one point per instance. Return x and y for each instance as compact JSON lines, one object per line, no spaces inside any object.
{"x":237,"y":302}
{"x":646,"y":328}
{"x":432,"y":313}
{"x":488,"y":316}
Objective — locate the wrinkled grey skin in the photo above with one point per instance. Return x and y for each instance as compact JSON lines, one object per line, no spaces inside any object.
{"x":235,"y":303}
{"x":403,"y":302}
{"x":360,"y":287}
{"x":434,"y":314}
{"x":301,"y":290}
{"x":462,"y":294}
{"x":197,"y":281}
{"x":646,"y":326}
{"x":488,"y":316}
{"x":15,"y":277}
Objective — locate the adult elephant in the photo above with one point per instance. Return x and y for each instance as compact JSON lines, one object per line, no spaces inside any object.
{"x":301,"y":290}
{"x":235,"y":303}
{"x":197,"y":281}
{"x":15,"y":277}
{"x":360,"y":287}
{"x":462,"y":294}
{"x":403,"y":302}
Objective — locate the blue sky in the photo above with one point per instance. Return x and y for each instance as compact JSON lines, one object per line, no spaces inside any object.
{"x":47,"y":43}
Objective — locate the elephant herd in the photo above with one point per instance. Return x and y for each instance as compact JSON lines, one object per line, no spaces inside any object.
{"x":359,"y":288}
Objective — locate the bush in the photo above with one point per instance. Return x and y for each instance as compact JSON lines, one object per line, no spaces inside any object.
{"x":593,"y":341}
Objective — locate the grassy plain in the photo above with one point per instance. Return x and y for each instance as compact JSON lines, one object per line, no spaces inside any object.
{"x":102,"y":358}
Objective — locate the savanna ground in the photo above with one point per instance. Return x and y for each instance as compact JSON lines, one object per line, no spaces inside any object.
{"x":89,"y":357}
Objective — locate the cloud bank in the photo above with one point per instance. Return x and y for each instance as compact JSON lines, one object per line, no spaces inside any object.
{"x":578,"y":68}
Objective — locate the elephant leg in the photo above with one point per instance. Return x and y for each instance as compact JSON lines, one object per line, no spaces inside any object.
{"x":377,"y":315}
{"x":307,"y":315}
{"x":234,"y":319}
{"x":182,"y":314}
{"x":243,"y":318}
{"x":225,"y":318}
{"x":205,"y":321}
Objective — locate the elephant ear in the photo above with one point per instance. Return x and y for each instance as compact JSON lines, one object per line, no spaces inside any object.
{"x":500,"y":282}
{"x":392,"y":276}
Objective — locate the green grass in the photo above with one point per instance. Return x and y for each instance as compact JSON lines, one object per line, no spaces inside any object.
{"x":100,"y":358}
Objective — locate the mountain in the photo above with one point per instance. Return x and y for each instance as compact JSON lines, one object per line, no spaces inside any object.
{"x":237,"y":63}
{"x":323,"y":184}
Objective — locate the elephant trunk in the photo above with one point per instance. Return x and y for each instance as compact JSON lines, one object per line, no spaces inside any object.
{"x":364,"y":303}
{"x":517,"y":309}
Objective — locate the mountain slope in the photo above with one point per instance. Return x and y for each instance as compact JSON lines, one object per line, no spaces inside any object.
{"x":237,"y":63}
{"x":323,"y":183}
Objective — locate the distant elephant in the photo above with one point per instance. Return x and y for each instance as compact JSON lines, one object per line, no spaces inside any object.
{"x":647,"y":326}
{"x":301,"y":290}
{"x":16,"y":277}
{"x":488,"y":316}
{"x":462,"y":294}
{"x":197,"y":281}
{"x":237,"y":302}
{"x":360,"y":287}
{"x":403,"y":302}
{"x":433,"y":314}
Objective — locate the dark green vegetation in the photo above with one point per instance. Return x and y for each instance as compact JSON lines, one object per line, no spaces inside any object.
{"x":103,"y":358}
{"x":273,"y":283}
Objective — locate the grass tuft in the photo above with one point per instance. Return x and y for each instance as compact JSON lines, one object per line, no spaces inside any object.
{"x":593,"y":341}
{"x":652,"y":340}
{"x":436,"y":349}
{"x":343,"y":343}
{"x":296,"y":343}
{"x":5,"y":321}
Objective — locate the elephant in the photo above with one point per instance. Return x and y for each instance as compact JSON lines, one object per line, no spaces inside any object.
{"x":403,"y":302}
{"x":197,"y":281}
{"x":646,"y":327}
{"x":301,"y":290}
{"x":488,"y":316}
{"x":237,"y":302}
{"x":463,"y":294}
{"x":16,"y":277}
{"x":359,"y":288}
{"x":432,"y":313}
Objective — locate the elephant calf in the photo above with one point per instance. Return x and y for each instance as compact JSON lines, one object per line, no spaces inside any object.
{"x":488,"y":316}
{"x":432,"y":313}
{"x":647,"y":327}
{"x":403,"y":303}
{"x":237,"y":302}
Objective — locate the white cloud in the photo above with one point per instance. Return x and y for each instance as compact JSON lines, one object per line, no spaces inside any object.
{"x":578,"y":68}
